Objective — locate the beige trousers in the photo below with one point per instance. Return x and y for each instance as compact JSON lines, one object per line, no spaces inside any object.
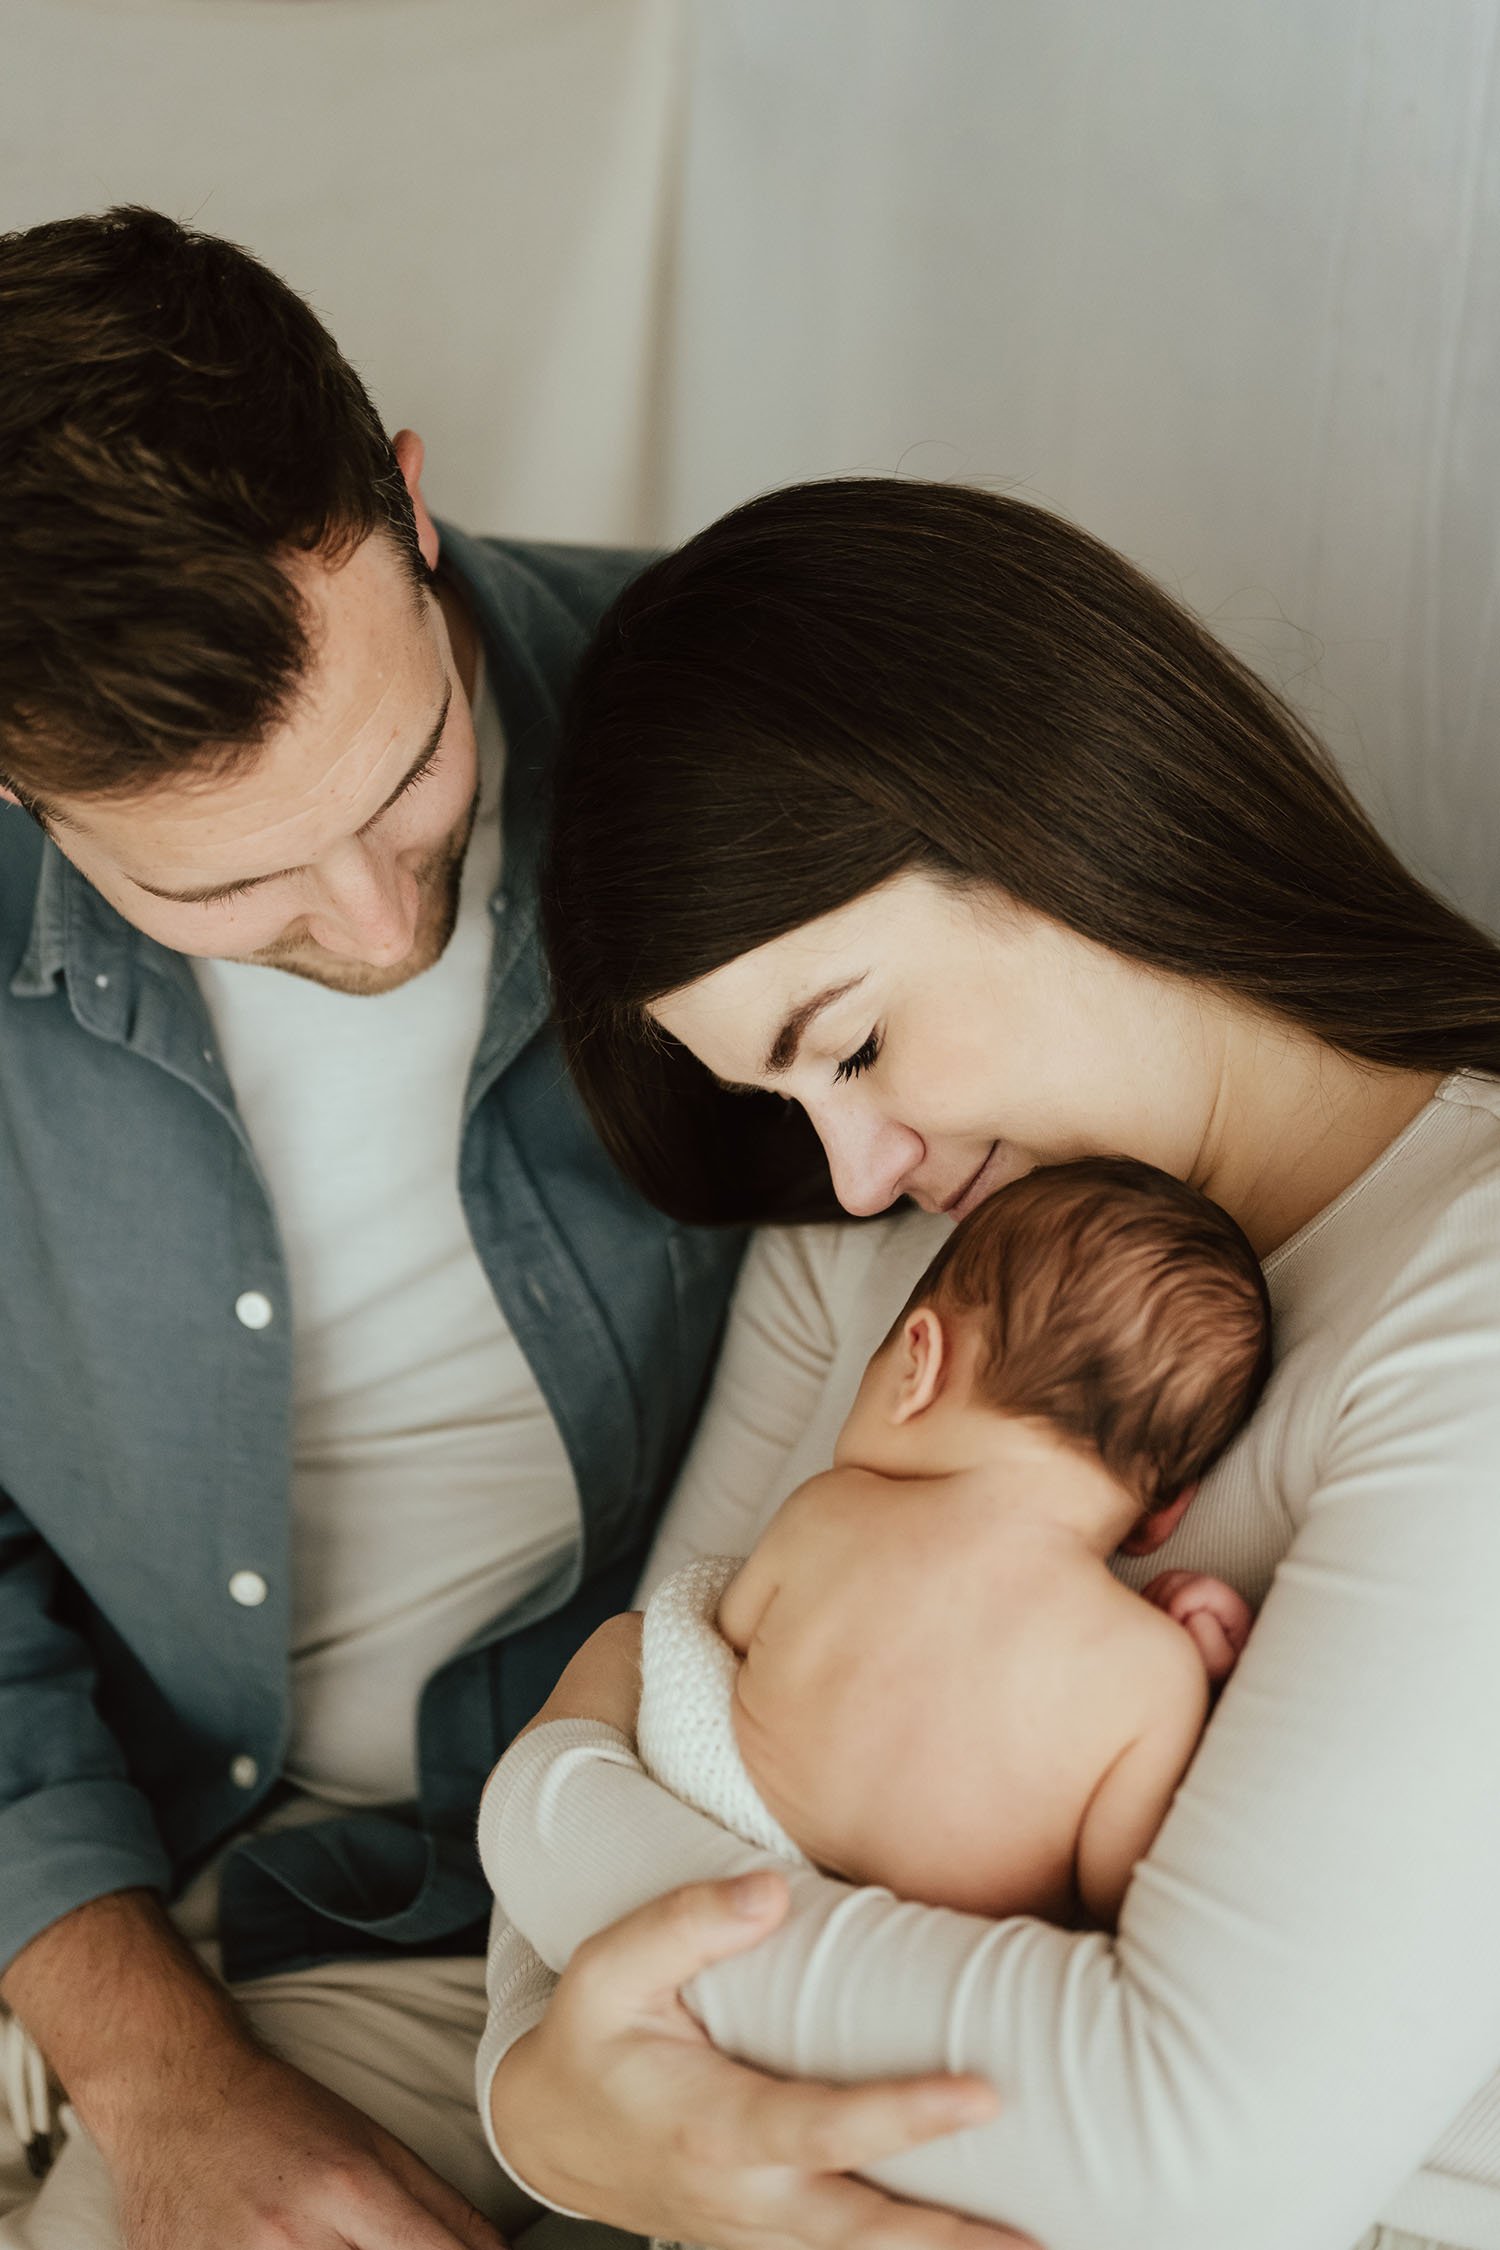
{"x":397,"y":2038}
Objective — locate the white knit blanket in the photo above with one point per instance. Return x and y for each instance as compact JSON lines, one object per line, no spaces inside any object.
{"x":686,"y":1730}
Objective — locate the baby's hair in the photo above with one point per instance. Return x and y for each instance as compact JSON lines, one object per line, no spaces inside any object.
{"x":1121,"y":1308}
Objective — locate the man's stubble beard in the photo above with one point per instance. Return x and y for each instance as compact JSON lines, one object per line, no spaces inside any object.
{"x":439,"y":879}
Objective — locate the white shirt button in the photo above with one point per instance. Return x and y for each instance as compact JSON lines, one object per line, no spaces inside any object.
{"x":244,"y":1771}
{"x":102,"y":981}
{"x":248,"y":1588}
{"x":253,"y":1309}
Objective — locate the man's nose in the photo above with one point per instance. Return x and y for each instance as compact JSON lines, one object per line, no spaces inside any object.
{"x":870,"y":1157}
{"x":368,"y":907}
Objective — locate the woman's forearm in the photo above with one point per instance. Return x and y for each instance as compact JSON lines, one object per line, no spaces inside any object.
{"x":1305,"y":1990}
{"x":519,"y":1986}
{"x":1265,"y":2054}
{"x":559,"y":1888}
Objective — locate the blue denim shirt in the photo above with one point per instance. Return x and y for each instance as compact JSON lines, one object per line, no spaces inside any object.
{"x":145,"y":1430}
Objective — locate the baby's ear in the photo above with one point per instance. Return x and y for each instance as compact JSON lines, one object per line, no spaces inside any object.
{"x":922,"y":1364}
{"x":1157,"y":1527}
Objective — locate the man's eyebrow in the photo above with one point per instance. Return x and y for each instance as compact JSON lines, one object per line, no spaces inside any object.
{"x":209,"y":891}
{"x":782,"y":1052}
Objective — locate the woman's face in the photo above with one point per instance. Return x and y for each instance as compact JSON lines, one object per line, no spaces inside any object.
{"x":942,"y":1041}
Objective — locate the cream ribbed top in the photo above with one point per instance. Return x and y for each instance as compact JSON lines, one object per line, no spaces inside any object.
{"x":1292,"y":2032}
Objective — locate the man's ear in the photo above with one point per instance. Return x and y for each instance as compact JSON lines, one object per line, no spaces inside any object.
{"x":922,"y":1365}
{"x":1155,"y":1529}
{"x":411,"y":455}
{"x":8,"y":796}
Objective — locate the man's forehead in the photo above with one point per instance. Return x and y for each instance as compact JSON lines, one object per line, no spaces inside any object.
{"x":367,"y":704}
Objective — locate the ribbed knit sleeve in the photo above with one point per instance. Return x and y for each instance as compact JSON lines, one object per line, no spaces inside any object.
{"x":1292,"y":2032}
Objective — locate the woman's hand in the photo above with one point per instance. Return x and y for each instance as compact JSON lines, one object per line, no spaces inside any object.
{"x":603,"y":1681}
{"x":618,"y":2105}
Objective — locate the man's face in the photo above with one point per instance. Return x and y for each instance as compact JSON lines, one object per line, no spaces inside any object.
{"x":336,"y":852}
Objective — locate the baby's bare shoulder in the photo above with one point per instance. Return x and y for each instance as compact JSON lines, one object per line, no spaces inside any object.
{"x":819,"y":1542}
{"x":807,"y":1531}
{"x":838,"y":1504}
{"x":1164,"y":1664}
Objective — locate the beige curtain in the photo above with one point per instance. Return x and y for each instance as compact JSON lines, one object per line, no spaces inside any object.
{"x":475,"y":194}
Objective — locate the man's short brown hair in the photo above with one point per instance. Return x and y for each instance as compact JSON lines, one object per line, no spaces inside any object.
{"x":1119,"y":1308}
{"x":176,"y":425}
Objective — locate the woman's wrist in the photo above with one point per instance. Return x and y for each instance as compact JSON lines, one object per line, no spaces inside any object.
{"x":603,"y":1680}
{"x":503,"y":2108}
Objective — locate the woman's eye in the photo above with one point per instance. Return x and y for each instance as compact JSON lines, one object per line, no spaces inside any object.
{"x":852,"y":1065}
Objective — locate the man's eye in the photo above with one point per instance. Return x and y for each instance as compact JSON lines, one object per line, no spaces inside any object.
{"x":852,"y":1065}
{"x":415,"y":780}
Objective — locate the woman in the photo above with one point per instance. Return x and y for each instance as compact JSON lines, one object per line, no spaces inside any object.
{"x":922,"y":811}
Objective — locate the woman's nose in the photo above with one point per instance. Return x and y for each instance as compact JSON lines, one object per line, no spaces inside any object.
{"x":869,"y":1156}
{"x":368,"y":907}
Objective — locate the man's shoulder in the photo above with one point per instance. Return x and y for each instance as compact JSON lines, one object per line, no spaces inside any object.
{"x":20,"y":863}
{"x":545,"y":591}
{"x":584,"y":580}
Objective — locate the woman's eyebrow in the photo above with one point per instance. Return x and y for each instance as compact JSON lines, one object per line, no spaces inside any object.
{"x":782,"y":1052}
{"x":212,"y":891}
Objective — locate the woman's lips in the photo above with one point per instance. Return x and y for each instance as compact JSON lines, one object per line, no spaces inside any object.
{"x":959,"y":1206}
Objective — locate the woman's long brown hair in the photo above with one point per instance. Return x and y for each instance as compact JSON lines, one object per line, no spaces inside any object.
{"x":846,"y":680}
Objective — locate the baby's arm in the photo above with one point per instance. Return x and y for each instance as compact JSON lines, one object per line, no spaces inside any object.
{"x":1130,"y":1802}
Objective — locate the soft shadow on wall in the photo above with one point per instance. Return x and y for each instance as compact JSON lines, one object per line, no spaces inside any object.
{"x":474,"y":193}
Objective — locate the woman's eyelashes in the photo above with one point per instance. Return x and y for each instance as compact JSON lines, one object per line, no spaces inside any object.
{"x":853,"y":1064}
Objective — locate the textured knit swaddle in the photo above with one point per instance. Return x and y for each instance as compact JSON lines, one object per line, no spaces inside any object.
{"x":685,"y":1731}
{"x":686,"y":1727}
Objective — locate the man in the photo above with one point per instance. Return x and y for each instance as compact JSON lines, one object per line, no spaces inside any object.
{"x":341,"y":1378}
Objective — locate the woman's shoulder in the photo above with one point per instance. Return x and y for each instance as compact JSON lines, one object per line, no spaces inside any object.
{"x":1473,"y":1091}
{"x":849,"y":1261}
{"x":1448,"y":1154}
{"x":1412,"y":1248}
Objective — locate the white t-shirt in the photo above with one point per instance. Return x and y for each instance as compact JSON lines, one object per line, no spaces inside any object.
{"x":1298,"y":2025}
{"x":430,"y":1487}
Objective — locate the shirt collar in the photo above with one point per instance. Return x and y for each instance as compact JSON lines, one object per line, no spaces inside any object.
{"x":79,"y":941}
{"x":43,"y":961}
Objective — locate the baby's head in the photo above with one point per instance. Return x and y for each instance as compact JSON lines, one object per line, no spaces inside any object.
{"x":1102,"y":1302}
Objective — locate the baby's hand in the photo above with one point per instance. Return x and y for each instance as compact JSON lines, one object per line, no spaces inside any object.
{"x":1217,"y":1618}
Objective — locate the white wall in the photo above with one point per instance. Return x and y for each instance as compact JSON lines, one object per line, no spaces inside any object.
{"x":1221,"y":282}
{"x":473,"y":192}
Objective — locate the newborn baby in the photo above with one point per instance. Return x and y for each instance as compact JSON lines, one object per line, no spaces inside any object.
{"x":925,"y":1675}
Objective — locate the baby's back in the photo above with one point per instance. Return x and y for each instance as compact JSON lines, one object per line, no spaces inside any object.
{"x":954,"y":1699}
